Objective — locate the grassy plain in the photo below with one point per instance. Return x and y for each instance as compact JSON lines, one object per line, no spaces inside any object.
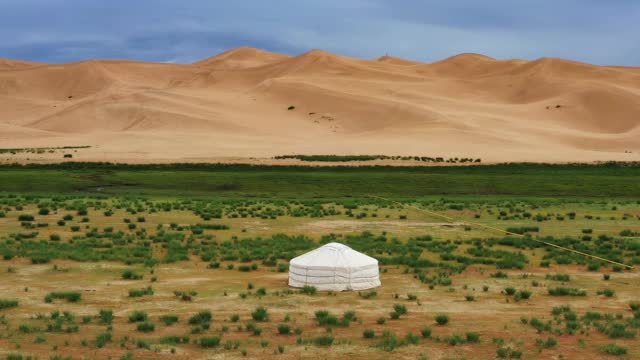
{"x":177,"y":240}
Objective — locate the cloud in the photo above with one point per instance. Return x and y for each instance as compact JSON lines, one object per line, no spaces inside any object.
{"x":595,"y":31}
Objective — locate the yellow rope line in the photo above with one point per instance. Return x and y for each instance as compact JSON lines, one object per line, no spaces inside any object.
{"x":450,"y":219}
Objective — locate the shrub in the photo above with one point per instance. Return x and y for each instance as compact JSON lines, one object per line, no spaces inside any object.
{"x":324,"y":317}
{"x":146,"y":327}
{"x":613,"y":349}
{"x":230,"y":344}
{"x":368,"y":294}
{"x":173,"y":340}
{"x":284,"y":329}
{"x":261,"y":292}
{"x":389,"y":341}
{"x":469,"y":297}
{"x":102,"y":339}
{"x":25,"y":217}
{"x":472,"y":337}
{"x":426,"y":332}
{"x":564,"y":291}
{"x":254,"y":329}
{"x":70,"y":296}
{"x":442,"y":319}
{"x":142,"y":344}
{"x":209,"y":342}
{"x":260,"y":314}
{"x":201,"y":318}
{"x":628,"y":232}
{"x":454,"y":339}
{"x":7,"y":303}
{"x":129,"y":274}
{"x":323,"y":340}
{"x":412,"y":339}
{"x":309,"y":290}
{"x":138,"y":316}
{"x":539,"y":325}
{"x":349,"y":315}
{"x":510,"y":291}
{"x":618,"y":330}
{"x":169,"y":319}
{"x":399,"y":309}
{"x":248,"y":268}
{"x":550,"y":342}
{"x":105,"y":316}
{"x":141,"y":292}
{"x":499,"y":275}
{"x":558,"y":277}
{"x":508,"y":353}
{"x":606,"y":292}
{"x":368,"y":334}
{"x":522,"y":295}
{"x":523,"y":230}
{"x":27,"y":329}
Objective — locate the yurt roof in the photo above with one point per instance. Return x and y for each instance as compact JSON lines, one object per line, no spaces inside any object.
{"x":334,"y":255}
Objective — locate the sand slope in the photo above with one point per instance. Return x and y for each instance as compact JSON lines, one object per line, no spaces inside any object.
{"x":236,"y":104}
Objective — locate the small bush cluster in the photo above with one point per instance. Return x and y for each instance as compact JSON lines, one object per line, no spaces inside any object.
{"x":325,"y":318}
{"x":309,"y":290}
{"x":558,"y":277}
{"x":141,"y":292}
{"x":398,"y":310}
{"x":131,"y":275}
{"x":260,"y":314}
{"x":209,"y":342}
{"x":138,"y":316}
{"x":565,"y":291}
{"x":442,"y":319}
{"x":613,"y":349}
{"x":8,"y":303}
{"x":70,"y":296}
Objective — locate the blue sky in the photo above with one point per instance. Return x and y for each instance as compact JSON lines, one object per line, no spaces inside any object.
{"x":596,"y":31}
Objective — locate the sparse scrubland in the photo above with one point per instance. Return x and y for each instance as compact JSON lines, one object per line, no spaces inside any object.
{"x":203,"y":272}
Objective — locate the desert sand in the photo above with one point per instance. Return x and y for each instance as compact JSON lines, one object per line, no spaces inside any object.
{"x":235,"y":105}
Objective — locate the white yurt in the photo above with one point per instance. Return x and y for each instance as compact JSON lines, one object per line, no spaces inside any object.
{"x":334,"y":267}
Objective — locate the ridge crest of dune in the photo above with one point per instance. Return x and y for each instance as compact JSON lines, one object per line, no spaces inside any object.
{"x":396,"y":60}
{"x":242,"y":57}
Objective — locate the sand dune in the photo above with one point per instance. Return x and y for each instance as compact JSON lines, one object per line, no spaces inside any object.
{"x":10,"y":64}
{"x":241,"y":58}
{"x":237,"y":104}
